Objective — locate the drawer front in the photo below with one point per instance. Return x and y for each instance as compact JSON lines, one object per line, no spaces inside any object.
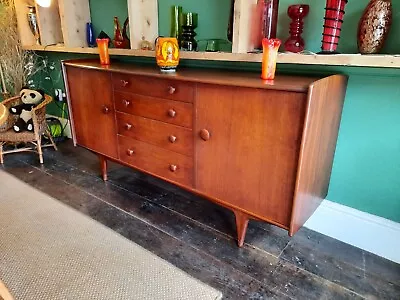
{"x":168,"y":111}
{"x":154,"y":87}
{"x":164,"y":163}
{"x":167,"y":136}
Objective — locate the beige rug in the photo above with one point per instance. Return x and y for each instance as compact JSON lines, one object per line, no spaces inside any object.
{"x":49,"y":251}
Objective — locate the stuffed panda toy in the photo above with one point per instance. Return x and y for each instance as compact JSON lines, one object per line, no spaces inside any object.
{"x":30,"y":99}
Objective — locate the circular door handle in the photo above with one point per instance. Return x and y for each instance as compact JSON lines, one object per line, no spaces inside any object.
{"x":128,"y":126}
{"x":171,"y":90}
{"x":171,"y":113}
{"x":130,"y":152}
{"x":173,"y":168}
{"x":105,"y":109}
{"x":126,"y":102}
{"x":172,"y":138}
{"x":124,"y":83}
{"x":205,"y":134}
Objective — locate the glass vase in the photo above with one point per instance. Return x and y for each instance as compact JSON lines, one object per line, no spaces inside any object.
{"x":103,"y":51}
{"x":176,"y":22}
{"x":297,"y":13}
{"x":334,"y":14}
{"x":269,"y":58}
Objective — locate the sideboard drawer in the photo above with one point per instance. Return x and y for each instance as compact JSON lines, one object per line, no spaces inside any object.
{"x":167,"y":136}
{"x":148,"y":86}
{"x":168,"y":111}
{"x":164,"y":163}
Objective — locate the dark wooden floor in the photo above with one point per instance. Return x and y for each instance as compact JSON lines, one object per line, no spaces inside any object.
{"x":198,"y":236}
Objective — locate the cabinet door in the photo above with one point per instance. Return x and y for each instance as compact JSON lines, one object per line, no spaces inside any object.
{"x":247,"y":148}
{"x":91,"y":104}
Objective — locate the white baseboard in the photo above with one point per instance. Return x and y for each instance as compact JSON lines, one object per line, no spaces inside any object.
{"x":65,"y":123}
{"x":371,"y":233}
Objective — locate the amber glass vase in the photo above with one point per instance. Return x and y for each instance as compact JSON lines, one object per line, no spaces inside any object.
{"x":103,"y":51}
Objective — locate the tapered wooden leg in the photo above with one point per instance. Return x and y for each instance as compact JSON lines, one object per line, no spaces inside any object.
{"x":103,"y":167}
{"x":242,"y":220}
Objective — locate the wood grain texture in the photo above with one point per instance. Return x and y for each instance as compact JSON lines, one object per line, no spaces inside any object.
{"x":167,"y":164}
{"x":90,"y":96}
{"x":49,"y":24}
{"x":324,"y":108}
{"x":155,"y":108}
{"x":217,"y":77}
{"x":251,"y":156}
{"x":149,"y":86}
{"x":143,"y":20}
{"x":74,"y":16}
{"x":166,"y":136}
{"x":25,"y":33}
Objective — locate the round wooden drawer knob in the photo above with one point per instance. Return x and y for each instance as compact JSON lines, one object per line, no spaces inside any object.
{"x":171,"y":90}
{"x":205,"y":134}
{"x":171,"y":113}
{"x":173,"y":168}
{"x":128,"y":126}
{"x":130,"y":152}
{"x":124,"y":83}
{"x":172,"y":138}
{"x":126,"y":102}
{"x":106,"y":110}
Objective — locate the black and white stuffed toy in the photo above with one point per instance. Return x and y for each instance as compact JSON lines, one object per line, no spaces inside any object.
{"x":30,"y":99}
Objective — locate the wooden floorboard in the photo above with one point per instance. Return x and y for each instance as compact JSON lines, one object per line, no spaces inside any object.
{"x":199,"y":237}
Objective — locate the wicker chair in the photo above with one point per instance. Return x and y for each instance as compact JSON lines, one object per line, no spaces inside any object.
{"x":39,"y":128}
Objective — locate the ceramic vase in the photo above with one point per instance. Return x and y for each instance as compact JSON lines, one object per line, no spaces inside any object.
{"x":374,"y":26}
{"x":167,"y":53}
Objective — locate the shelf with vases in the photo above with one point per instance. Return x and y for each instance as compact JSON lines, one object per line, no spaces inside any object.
{"x":354,"y":60}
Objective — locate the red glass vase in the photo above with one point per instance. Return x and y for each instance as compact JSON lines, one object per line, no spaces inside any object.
{"x":334,"y":13}
{"x":267,"y":20}
{"x":297,"y":13}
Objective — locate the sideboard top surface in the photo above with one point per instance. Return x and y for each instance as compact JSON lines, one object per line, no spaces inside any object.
{"x":230,"y":78}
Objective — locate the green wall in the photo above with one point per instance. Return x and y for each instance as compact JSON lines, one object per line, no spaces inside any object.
{"x":366,"y":171}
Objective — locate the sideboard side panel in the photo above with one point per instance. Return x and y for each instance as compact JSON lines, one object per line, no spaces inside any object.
{"x":324,"y":108}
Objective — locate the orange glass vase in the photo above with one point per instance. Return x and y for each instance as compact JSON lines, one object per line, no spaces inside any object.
{"x":270,"y":55}
{"x":103,"y":51}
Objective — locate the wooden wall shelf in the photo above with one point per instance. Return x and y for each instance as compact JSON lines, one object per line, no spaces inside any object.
{"x":354,"y":60}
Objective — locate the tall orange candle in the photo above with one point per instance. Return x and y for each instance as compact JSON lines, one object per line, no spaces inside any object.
{"x":270,"y":55}
{"x":103,"y":51}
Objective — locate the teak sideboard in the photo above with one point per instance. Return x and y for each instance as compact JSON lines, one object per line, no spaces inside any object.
{"x":261,"y":149}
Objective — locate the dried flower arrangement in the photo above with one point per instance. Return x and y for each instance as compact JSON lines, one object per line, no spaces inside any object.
{"x":16,"y":64}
